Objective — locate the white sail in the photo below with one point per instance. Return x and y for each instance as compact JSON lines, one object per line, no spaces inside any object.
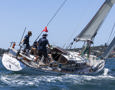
{"x":109,"y":49}
{"x":89,"y":32}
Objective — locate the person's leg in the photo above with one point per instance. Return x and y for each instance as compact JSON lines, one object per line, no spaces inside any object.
{"x":46,"y":60}
{"x":27,"y":49}
{"x":24,"y":46}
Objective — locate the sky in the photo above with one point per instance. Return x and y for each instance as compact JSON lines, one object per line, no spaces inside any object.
{"x":15,"y":15}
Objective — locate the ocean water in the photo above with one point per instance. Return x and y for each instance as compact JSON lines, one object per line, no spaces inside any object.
{"x":43,"y":81}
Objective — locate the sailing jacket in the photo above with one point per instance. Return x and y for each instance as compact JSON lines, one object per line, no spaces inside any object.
{"x":42,"y":43}
{"x":26,"y":39}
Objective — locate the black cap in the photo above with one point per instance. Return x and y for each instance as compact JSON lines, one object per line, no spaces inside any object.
{"x":44,"y":35}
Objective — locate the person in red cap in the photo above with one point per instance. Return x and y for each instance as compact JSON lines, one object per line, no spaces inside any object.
{"x":42,"y":50}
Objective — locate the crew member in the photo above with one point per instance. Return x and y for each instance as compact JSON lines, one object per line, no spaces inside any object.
{"x":34,"y":48}
{"x":87,"y":48}
{"x":25,"y":42}
{"x":42,"y":50}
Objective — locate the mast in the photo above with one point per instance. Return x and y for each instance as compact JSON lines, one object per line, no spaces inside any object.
{"x":90,"y":31}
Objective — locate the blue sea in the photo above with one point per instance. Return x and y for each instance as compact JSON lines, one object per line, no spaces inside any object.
{"x":43,"y":81}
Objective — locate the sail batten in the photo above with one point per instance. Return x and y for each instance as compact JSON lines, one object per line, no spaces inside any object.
{"x":91,"y":29}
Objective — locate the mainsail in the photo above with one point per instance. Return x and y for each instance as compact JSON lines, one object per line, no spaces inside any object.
{"x":89,"y":32}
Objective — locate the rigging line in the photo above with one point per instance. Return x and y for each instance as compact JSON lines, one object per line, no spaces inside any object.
{"x":111,"y":32}
{"x":52,"y":17}
{"x":22,"y":36}
{"x":56,"y":12}
{"x":68,"y":40}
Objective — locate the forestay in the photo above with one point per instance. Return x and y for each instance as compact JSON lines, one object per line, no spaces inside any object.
{"x":89,"y":32}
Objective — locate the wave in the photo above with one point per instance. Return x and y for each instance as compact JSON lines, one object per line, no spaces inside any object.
{"x":16,"y":80}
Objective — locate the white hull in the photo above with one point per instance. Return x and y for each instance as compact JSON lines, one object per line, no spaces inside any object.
{"x":12,"y":64}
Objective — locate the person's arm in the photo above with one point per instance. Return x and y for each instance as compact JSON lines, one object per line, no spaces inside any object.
{"x":22,"y":41}
{"x":48,"y":45}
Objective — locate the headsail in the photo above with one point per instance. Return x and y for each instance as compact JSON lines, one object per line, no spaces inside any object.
{"x":89,"y":32}
{"x":109,"y":49}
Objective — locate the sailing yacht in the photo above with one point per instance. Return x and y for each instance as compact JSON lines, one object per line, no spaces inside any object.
{"x":63,"y":61}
